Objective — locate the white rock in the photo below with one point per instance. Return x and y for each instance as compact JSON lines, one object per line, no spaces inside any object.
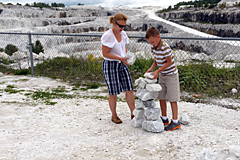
{"x":234,"y":151}
{"x":18,"y":55}
{"x":153,"y":126}
{"x":152,"y":113}
{"x":139,"y":104}
{"x":131,"y":59}
{"x":184,"y":119}
{"x":137,"y":122}
{"x":4,"y":55}
{"x":149,"y":75}
{"x":137,"y":81}
{"x":138,"y":113}
{"x":144,"y":95}
{"x":142,"y":84}
{"x":153,"y":87}
{"x":149,"y":103}
{"x":150,"y":80}
{"x":234,"y":90}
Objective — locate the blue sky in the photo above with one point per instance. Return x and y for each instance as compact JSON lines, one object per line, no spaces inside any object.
{"x":104,"y":3}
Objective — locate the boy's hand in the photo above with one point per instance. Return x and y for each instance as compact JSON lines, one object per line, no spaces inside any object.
{"x":156,"y":73}
{"x":149,"y":70}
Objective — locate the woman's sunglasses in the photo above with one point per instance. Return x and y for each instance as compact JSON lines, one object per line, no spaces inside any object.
{"x":120,"y":26}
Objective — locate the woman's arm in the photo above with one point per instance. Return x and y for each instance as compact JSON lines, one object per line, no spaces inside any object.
{"x":106,"y":53}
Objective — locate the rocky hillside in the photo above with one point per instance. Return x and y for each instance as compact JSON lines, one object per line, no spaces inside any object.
{"x":223,"y":23}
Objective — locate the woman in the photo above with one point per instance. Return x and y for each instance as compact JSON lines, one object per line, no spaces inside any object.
{"x":114,"y":66}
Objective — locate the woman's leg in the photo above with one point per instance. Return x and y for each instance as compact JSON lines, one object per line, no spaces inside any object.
{"x":130,"y":100}
{"x":112,"y":100}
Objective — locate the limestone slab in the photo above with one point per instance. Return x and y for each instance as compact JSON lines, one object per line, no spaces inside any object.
{"x":149,"y":103}
{"x":153,"y":126}
{"x":138,"y":113}
{"x":137,"y":122}
{"x":153,"y":87}
{"x":152,"y":113}
{"x":144,"y":95}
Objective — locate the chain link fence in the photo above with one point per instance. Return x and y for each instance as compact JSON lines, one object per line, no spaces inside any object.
{"x":216,"y":60}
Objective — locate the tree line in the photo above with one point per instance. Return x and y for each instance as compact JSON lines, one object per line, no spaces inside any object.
{"x":196,"y":4}
{"x":42,"y":5}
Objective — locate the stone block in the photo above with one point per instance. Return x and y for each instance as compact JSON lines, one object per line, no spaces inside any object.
{"x":139,"y":104}
{"x":184,"y":119}
{"x":150,"y":80}
{"x":152,"y":113}
{"x":149,"y":75}
{"x":137,"y":81}
{"x":137,"y":122}
{"x":131,"y":59}
{"x":138,"y":113}
{"x":153,"y":126}
{"x":142,"y":84}
{"x":153,"y":87}
{"x":149,"y":103}
{"x":144,"y":95}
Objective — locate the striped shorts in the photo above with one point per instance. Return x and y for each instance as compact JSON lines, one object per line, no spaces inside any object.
{"x":117,"y":77}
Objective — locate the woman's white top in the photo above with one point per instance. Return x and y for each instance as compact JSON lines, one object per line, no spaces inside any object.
{"x":117,"y":48}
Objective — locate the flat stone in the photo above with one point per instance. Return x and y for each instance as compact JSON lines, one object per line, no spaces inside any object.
{"x":153,"y":126}
{"x":152,"y":113}
{"x":184,"y":119}
{"x":149,"y":103}
{"x":137,"y":122}
{"x":144,"y":95}
{"x":142,"y":84}
{"x":149,"y":75}
{"x":138,"y":113}
{"x":139,"y":104}
{"x":137,"y":81}
{"x":132,"y":58}
{"x":150,"y":80}
{"x":153,"y":87}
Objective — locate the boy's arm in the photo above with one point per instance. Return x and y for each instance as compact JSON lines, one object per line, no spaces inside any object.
{"x":106,"y":53}
{"x":152,"y":67}
{"x":169,"y":62}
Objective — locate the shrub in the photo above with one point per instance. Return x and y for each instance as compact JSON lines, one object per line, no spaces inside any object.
{"x":10,"y":49}
{"x":1,"y":50}
{"x":37,"y":47}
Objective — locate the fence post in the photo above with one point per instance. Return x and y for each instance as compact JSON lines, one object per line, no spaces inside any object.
{"x":30,"y":50}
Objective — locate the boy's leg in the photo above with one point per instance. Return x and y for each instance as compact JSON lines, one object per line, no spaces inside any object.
{"x":163,"y":106}
{"x":130,"y":100}
{"x":174,"y":107}
{"x":112,"y":100}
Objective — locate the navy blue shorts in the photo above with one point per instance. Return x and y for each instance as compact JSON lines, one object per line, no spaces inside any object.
{"x":117,"y":77}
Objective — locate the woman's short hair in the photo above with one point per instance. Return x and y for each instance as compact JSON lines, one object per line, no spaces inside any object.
{"x":117,"y":17}
{"x":152,"y":32}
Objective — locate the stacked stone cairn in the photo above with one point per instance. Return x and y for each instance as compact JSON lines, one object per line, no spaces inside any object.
{"x":146,"y":114}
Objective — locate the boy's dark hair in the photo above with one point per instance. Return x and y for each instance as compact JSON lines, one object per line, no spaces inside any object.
{"x":152,"y":32}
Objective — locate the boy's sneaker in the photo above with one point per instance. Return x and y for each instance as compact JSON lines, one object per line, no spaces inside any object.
{"x":165,"y":122}
{"x":172,"y":126}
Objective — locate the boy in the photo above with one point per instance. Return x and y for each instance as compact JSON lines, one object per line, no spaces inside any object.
{"x":168,"y":77}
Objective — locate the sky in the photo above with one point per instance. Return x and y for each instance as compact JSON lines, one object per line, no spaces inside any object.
{"x":104,"y":3}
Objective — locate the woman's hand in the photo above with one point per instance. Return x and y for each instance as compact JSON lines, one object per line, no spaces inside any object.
{"x":123,"y":60}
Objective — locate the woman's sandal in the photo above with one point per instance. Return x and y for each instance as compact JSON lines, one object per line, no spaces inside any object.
{"x":132,"y":116}
{"x":116,"y":120}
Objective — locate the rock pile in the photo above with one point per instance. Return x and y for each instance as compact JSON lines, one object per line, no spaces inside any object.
{"x":146,"y":113}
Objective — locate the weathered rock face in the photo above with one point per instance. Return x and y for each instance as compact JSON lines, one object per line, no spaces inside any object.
{"x":224,"y":23}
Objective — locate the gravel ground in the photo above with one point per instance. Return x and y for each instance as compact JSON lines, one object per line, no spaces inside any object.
{"x":80,"y":128}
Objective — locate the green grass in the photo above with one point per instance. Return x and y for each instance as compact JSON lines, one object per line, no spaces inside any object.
{"x":196,"y":78}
